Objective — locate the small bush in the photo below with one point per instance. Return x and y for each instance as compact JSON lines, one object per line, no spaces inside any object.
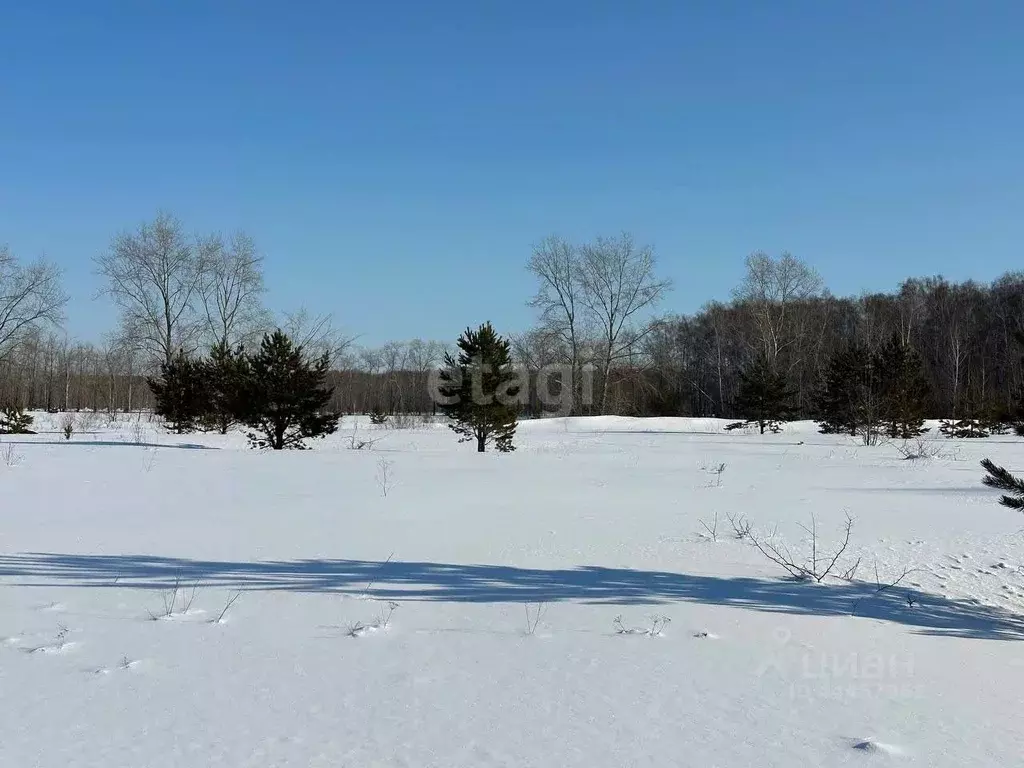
{"x":407,"y":420}
{"x":67,"y":425}
{"x":378,"y":417}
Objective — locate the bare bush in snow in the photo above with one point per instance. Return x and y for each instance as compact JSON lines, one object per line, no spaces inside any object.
{"x":10,"y":456}
{"x":67,"y":425}
{"x":355,"y":443}
{"x":172,"y":605}
{"x":813,"y":565}
{"x":919,"y":448}
{"x":408,"y":420}
{"x":88,"y":421}
{"x":741,"y":527}
{"x":137,"y":432}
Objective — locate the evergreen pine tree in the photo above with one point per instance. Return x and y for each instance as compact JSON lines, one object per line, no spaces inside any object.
{"x":840,"y":402}
{"x":905,"y":391}
{"x":972,"y":422}
{"x":181,"y":392}
{"x":763,"y":397}
{"x":1002,"y":480}
{"x":284,"y":398}
{"x":14,"y":421}
{"x":480,"y":389}
{"x":377,"y":416}
{"x":227,"y":371}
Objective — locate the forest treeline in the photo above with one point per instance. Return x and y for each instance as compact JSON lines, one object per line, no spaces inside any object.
{"x":602,"y":317}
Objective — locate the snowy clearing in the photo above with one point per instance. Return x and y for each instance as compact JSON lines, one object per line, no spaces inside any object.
{"x":589,"y":600}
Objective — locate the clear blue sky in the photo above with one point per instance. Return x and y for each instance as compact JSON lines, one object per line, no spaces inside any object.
{"x":395,"y":161}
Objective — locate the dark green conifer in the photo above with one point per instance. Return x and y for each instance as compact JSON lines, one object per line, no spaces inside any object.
{"x":181,"y":392}
{"x":479,"y":389}
{"x":763,"y":398}
{"x":285,"y":400}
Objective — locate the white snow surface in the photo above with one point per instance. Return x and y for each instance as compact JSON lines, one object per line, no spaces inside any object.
{"x":594,"y":523}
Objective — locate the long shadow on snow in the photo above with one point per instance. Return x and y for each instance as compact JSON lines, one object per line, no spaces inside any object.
{"x":119,"y":444}
{"x":501,"y":584}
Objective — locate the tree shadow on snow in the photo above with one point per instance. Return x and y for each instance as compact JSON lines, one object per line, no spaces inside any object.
{"x":929,"y":614}
{"x":970,"y":490}
{"x":117,"y":443}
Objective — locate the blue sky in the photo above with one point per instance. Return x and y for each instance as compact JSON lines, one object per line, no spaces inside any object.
{"x":395,"y":161}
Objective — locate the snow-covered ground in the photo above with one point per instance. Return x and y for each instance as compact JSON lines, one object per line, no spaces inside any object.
{"x":595,"y":523}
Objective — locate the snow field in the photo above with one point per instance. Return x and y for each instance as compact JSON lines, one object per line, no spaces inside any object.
{"x":564,"y":605}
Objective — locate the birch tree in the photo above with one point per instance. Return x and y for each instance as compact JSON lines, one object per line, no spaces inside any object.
{"x":618,"y":281}
{"x":772,"y":288}
{"x":556,"y":264}
{"x":231,"y":291}
{"x":154,"y":276}
{"x":31,"y":297}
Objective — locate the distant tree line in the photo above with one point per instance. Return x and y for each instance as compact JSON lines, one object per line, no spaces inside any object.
{"x":597,"y":306}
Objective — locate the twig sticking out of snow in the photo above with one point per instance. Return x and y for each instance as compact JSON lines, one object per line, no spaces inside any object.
{"x":882,"y":586}
{"x":366,"y":592}
{"x":711,"y":529}
{"x":657,"y":626}
{"x":381,"y":623}
{"x":170,"y":601}
{"x":10,"y":457}
{"x":384,"y":479}
{"x":534,"y":613}
{"x":741,"y":527}
{"x":230,"y":602}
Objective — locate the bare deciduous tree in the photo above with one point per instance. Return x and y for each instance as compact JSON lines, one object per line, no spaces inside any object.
{"x":231,"y":291}
{"x":31,"y":296}
{"x":556,"y":264}
{"x":771,"y":288}
{"x":618,"y":281}
{"x":154,"y":276}
{"x":317,"y":334}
